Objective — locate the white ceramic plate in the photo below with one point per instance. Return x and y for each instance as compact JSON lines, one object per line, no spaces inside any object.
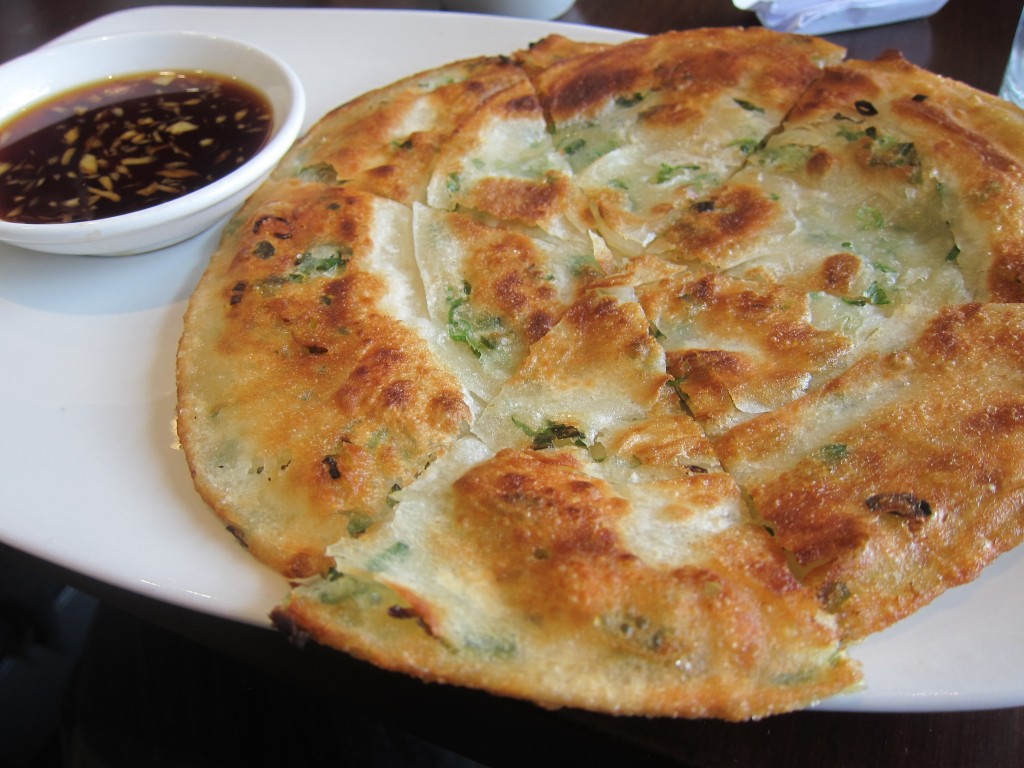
{"x":91,"y":476}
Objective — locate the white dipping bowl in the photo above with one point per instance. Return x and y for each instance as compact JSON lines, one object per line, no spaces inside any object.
{"x":54,"y":69}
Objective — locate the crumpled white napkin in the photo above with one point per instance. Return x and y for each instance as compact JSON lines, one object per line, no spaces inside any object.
{"x":820,"y":17}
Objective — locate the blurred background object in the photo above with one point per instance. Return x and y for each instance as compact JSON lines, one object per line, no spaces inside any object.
{"x":529,"y":9}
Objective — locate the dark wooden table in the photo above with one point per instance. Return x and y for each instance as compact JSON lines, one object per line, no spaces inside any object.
{"x":966,"y":40}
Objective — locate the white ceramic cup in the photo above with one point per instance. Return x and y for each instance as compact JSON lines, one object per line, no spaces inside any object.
{"x":530,"y":9}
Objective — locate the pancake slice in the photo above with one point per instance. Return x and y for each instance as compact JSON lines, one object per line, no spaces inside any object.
{"x":737,"y":348}
{"x":652,"y":124}
{"x":832,"y":243}
{"x":491,"y":292}
{"x":308,"y":386}
{"x":387,"y":141}
{"x":502,"y":164}
{"x":553,"y":49}
{"x":516,"y":571}
{"x":902,"y":477}
{"x":857,"y":197}
{"x":596,"y":369}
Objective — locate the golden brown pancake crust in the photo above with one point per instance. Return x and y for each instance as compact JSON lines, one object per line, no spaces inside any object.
{"x":639,"y":378}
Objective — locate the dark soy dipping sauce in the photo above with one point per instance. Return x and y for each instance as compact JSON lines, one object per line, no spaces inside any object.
{"x":128,"y":143}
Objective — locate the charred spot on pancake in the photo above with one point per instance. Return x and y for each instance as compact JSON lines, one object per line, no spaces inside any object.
{"x":709,"y":228}
{"x":402,"y":612}
{"x":538,"y":324}
{"x":899,"y":504}
{"x":527,"y":200}
{"x":397,"y":393}
{"x":838,"y":272}
{"x":304,"y":564}
{"x":287,"y":626}
{"x":275,"y":226}
{"x":264,"y":249}
{"x":522,"y":104}
{"x":239,"y":535}
{"x":997,"y":418}
{"x":593,"y":87}
{"x":836,"y":89}
{"x":508,"y":289}
{"x":385,"y":171}
{"x":820,"y":161}
{"x":237,"y":292}
{"x":832,"y":595}
{"x":1006,"y":278}
{"x":331,"y":462}
{"x":945,"y":336}
{"x":865,"y":107}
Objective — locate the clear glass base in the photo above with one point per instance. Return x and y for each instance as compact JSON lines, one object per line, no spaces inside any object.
{"x":1012,"y":90}
{"x":1013,"y":81}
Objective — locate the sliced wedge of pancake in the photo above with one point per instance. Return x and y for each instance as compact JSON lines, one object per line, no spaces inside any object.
{"x":902,"y":477}
{"x":493,"y":291}
{"x":387,"y":140}
{"x":308,"y":384}
{"x":519,"y":572}
{"x":502,"y":164}
{"x":737,"y":348}
{"x":652,"y":124}
{"x":553,"y":49}
{"x":835,"y":239}
{"x":597,"y":368}
{"x":879,"y":190}
{"x":952,"y":143}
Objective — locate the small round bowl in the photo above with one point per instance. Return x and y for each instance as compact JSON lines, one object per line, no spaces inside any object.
{"x":54,"y":69}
